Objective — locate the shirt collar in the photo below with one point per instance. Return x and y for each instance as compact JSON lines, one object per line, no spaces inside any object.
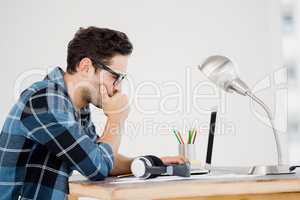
{"x":57,"y":76}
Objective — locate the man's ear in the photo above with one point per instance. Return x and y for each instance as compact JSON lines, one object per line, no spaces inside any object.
{"x":84,"y":65}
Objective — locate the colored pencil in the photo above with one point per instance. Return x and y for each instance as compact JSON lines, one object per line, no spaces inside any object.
{"x":190,"y":137}
{"x":176,"y":136}
{"x":124,"y":175}
{"x":195,"y":134}
{"x":182,"y":142}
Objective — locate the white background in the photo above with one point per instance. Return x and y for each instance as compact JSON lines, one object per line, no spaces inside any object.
{"x":170,"y":39}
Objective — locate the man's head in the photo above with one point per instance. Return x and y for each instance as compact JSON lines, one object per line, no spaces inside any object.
{"x":98,"y":56}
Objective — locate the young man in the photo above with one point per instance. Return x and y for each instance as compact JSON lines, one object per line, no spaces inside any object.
{"x":48,"y":132}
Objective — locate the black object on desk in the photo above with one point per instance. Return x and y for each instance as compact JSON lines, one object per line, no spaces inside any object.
{"x":212,"y":126}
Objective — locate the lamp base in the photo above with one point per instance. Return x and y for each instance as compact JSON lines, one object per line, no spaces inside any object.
{"x":270,"y":170}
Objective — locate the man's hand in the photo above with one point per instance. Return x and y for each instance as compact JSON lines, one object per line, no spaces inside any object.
{"x":116,"y":110}
{"x":169,"y":160}
{"x":115,"y":107}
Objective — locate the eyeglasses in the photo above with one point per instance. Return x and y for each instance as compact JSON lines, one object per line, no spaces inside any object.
{"x":119,"y":76}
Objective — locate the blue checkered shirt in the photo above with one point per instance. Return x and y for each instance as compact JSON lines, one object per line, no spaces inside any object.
{"x":44,"y":139}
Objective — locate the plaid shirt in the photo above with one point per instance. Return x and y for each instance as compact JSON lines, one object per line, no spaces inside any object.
{"x":44,"y":139}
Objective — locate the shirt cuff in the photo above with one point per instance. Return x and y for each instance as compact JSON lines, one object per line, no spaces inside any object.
{"x":108,"y":155}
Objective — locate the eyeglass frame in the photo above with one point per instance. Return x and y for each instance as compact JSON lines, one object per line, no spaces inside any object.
{"x":120,"y":76}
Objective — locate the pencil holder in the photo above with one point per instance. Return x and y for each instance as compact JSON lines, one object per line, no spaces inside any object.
{"x":188,"y":151}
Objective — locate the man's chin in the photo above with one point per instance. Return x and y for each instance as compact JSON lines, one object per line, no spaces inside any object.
{"x":98,"y":105}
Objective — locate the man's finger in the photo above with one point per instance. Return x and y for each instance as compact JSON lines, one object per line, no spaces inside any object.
{"x":174,"y":160}
{"x":182,"y":159}
{"x":185,"y":159}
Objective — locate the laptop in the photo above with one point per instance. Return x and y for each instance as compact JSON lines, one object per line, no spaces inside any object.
{"x":210,"y":144}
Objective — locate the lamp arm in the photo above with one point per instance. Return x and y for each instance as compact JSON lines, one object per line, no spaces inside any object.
{"x":268,"y":111}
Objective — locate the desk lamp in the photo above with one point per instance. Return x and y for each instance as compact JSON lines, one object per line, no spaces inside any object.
{"x":221,"y":71}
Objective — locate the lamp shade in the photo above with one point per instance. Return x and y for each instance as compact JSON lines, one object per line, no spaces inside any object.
{"x":221,"y":71}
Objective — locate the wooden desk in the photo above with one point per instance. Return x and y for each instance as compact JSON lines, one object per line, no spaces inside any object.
{"x":258,"y":188}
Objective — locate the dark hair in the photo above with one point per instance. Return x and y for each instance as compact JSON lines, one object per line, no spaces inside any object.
{"x":97,"y":44}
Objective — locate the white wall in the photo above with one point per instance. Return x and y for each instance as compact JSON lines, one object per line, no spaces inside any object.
{"x":291,"y":57}
{"x":170,"y":39}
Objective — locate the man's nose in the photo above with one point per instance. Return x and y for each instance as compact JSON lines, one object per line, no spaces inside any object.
{"x":118,"y":88}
